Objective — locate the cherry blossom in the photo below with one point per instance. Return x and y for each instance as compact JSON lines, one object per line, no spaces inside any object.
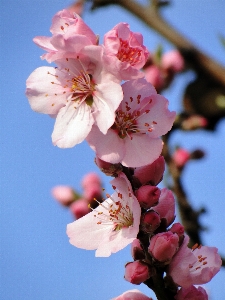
{"x":194,"y":266}
{"x":112,"y":225}
{"x":79,"y":93}
{"x":125,"y":51}
{"x":69,"y":32}
{"x":134,"y":139}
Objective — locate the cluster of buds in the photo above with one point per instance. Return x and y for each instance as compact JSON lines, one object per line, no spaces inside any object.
{"x":160,"y":69}
{"x":161,"y":246}
{"x":79,"y":204}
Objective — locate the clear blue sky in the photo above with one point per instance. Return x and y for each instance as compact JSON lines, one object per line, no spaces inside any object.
{"x":37,"y":261}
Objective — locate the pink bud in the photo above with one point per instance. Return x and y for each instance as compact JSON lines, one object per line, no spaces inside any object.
{"x":136,"y":250}
{"x":92,"y":191}
{"x":191,"y":293}
{"x":132,"y":295}
{"x":150,"y":221}
{"x":63,"y":194}
{"x":108,"y":168}
{"x":172,"y":61}
{"x":79,"y":208}
{"x":166,"y":206}
{"x":155,"y":76}
{"x":194,"y":122}
{"x":163,"y":246}
{"x":151,"y":173}
{"x":136,"y":272}
{"x":178,"y":229}
{"x":180,"y":157}
{"x":89,"y":179}
{"x":148,"y":196}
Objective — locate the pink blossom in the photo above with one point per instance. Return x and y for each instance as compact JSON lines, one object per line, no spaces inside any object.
{"x":125,"y":52}
{"x":136,"y":272}
{"x":190,"y":267}
{"x":166,"y":206}
{"x":191,"y":293}
{"x":163,"y":246}
{"x":79,"y":208}
{"x":181,"y":157}
{"x":69,"y":33}
{"x":134,"y":139}
{"x":132,"y":295}
{"x":79,"y":93}
{"x":172,"y":61}
{"x":63,"y":194}
{"x":148,"y":196}
{"x":151,"y":173}
{"x":112,"y":225}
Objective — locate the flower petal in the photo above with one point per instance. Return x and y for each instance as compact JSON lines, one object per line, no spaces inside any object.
{"x":141,"y":150}
{"x":72,"y":125}
{"x":108,"y":147}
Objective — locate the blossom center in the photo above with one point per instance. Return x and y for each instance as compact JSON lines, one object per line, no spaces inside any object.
{"x":128,"y":123}
{"x":128,"y":54}
{"x":117,"y":213}
{"x":200,"y":262}
{"x":82,"y":88}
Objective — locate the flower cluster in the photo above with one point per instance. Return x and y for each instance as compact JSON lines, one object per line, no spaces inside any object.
{"x":123,"y":124}
{"x":98,"y":93}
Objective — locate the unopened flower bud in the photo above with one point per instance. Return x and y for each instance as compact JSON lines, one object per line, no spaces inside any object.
{"x":172,"y":61}
{"x":166,"y":206}
{"x":90,"y":178}
{"x":154,"y":75}
{"x":65,"y":195}
{"x":136,"y":250}
{"x":194,"y":122}
{"x":191,"y":293}
{"x":136,"y":272}
{"x":148,"y":196}
{"x":150,"y":221}
{"x":163,"y":246}
{"x":79,"y":208}
{"x":93,"y":191}
{"x":152,"y":173}
{"x":108,"y":168}
{"x":181,"y":157}
{"x":178,"y":229}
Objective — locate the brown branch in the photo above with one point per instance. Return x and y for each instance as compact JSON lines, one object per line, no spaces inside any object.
{"x":197,"y":60}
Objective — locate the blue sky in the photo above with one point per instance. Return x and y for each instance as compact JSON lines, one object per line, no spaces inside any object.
{"x":37,"y":261}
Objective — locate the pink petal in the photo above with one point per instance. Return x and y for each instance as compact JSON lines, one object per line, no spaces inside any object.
{"x":108,"y":147}
{"x":107,"y":98}
{"x":45,"y":90}
{"x":72,"y":125}
{"x":141,"y":150}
